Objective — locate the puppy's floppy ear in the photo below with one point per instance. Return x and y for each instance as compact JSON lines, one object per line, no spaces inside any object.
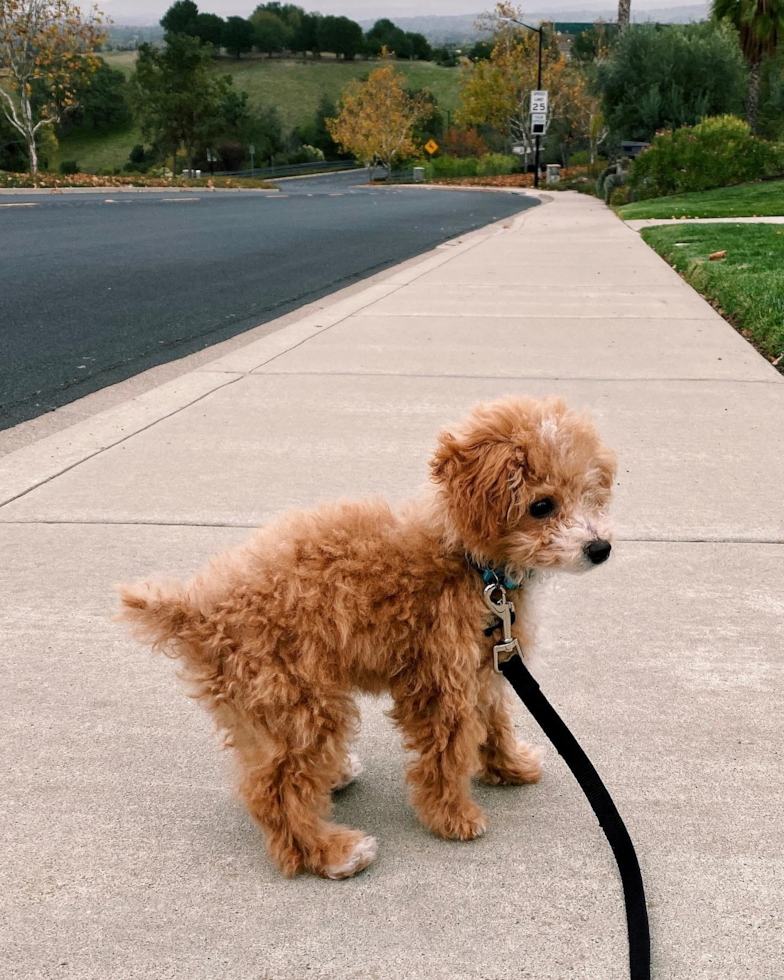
{"x":446,"y":457}
{"x":479,"y":478}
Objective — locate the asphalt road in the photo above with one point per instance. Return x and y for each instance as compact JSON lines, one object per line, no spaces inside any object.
{"x":95,"y":288}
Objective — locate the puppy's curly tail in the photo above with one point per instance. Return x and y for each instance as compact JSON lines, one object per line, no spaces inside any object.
{"x":163,"y":615}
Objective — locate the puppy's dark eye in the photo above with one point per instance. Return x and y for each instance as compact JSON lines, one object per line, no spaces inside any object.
{"x":542,"y":508}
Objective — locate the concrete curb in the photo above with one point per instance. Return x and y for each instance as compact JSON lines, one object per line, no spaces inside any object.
{"x":57,"y":191}
{"x":29,"y":467}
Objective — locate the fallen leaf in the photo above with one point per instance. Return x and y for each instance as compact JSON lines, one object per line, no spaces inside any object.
{"x":717,"y":255}
{"x":777,"y":361}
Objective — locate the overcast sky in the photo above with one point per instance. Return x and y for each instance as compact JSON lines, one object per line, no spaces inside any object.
{"x":151,"y":10}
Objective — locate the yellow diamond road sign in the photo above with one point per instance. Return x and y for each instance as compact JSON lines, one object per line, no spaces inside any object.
{"x":431,"y":146}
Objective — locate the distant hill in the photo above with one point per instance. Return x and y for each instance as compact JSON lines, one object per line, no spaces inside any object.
{"x":459,"y":28}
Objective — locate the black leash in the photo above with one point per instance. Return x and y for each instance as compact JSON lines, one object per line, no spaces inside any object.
{"x":527,"y":689}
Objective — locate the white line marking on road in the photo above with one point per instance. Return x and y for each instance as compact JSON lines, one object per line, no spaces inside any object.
{"x":178,"y":200}
{"x":19,"y":205}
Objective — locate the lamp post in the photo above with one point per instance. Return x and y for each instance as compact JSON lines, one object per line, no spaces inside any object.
{"x":540,"y":31}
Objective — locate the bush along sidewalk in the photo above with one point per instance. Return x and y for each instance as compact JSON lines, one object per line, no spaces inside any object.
{"x":717,"y":152}
{"x":745,"y":285}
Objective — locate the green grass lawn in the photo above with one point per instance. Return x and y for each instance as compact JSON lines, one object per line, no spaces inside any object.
{"x":293,"y":86}
{"x":743,"y":201}
{"x":94,"y":151}
{"x":747,"y":285}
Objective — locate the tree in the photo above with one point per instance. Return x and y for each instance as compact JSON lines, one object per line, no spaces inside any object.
{"x":270,"y":33}
{"x":385,"y":34}
{"x":101,"y":104}
{"x":624,"y":14}
{"x":497,"y":90}
{"x":209,"y":30}
{"x":376,"y":118}
{"x":594,"y":43}
{"x":237,"y":36}
{"x":181,"y":18}
{"x":665,"y":77}
{"x":45,"y":45}
{"x":464,"y":143}
{"x":760,"y":24}
{"x":342,"y":36}
{"x":177,"y":97}
{"x":305,"y":35}
{"x":420,"y":47}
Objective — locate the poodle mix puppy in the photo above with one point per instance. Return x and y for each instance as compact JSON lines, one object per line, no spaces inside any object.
{"x":276,"y":636}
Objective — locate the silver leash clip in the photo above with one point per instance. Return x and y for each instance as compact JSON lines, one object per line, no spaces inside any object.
{"x":503,"y":609}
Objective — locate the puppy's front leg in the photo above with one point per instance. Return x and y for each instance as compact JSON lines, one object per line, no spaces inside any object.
{"x":440,"y":723}
{"x":505,"y":760}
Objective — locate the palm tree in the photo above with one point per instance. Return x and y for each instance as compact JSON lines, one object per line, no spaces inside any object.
{"x":760,"y":24}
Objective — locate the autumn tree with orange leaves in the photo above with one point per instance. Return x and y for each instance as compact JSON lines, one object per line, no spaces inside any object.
{"x":497,"y":90}
{"x":376,"y":118}
{"x":46,"y":44}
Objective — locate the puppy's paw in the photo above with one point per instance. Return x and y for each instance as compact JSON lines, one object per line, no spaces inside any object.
{"x":517,"y":768}
{"x":357,"y":855}
{"x":352,"y":768}
{"x":464,"y":821}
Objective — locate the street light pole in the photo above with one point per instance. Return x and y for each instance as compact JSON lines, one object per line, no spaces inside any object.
{"x":540,"y":31}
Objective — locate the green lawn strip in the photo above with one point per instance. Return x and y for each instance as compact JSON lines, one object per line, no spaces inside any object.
{"x":747,"y":286}
{"x":742,"y":201}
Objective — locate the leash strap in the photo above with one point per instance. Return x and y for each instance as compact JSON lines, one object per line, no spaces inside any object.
{"x":527,"y":689}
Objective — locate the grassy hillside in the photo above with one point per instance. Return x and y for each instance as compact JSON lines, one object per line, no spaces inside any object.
{"x":294,"y":86}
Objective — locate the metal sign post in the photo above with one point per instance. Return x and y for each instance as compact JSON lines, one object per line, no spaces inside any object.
{"x":539,"y":104}
{"x":252,"y":149}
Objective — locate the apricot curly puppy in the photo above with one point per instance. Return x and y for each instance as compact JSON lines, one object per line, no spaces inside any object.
{"x":276,"y":635}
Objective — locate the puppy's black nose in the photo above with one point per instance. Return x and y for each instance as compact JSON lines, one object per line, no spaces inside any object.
{"x":598,"y":551}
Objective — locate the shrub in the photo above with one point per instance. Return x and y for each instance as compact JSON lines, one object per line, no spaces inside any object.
{"x":494,"y":164}
{"x":614,"y":182}
{"x":620,"y":195}
{"x":447,"y":166}
{"x":716,"y":152}
{"x":659,"y":77}
{"x":464,"y":143}
{"x":68,"y":167}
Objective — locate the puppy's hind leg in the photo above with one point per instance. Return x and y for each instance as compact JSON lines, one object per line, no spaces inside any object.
{"x":287,"y":789}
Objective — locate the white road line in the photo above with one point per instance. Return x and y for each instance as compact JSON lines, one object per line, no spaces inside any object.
{"x":178,"y":200}
{"x":20,"y":205}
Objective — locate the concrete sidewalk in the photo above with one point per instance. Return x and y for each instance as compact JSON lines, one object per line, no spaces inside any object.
{"x":126,"y":856}
{"x":638,"y":223}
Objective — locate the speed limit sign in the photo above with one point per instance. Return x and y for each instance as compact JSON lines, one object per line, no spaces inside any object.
{"x":539,"y":102}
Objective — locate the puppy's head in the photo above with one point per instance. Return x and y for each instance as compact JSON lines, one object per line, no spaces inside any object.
{"x":526,"y":484}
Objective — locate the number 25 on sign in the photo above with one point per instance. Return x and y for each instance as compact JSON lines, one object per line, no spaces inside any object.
{"x":431,"y":146}
{"x":539,"y":101}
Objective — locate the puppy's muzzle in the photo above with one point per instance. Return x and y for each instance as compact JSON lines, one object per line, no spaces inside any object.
{"x":597,"y":551}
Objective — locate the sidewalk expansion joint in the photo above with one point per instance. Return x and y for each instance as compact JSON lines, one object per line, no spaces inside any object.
{"x":219,"y":525}
{"x":257,"y":374}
